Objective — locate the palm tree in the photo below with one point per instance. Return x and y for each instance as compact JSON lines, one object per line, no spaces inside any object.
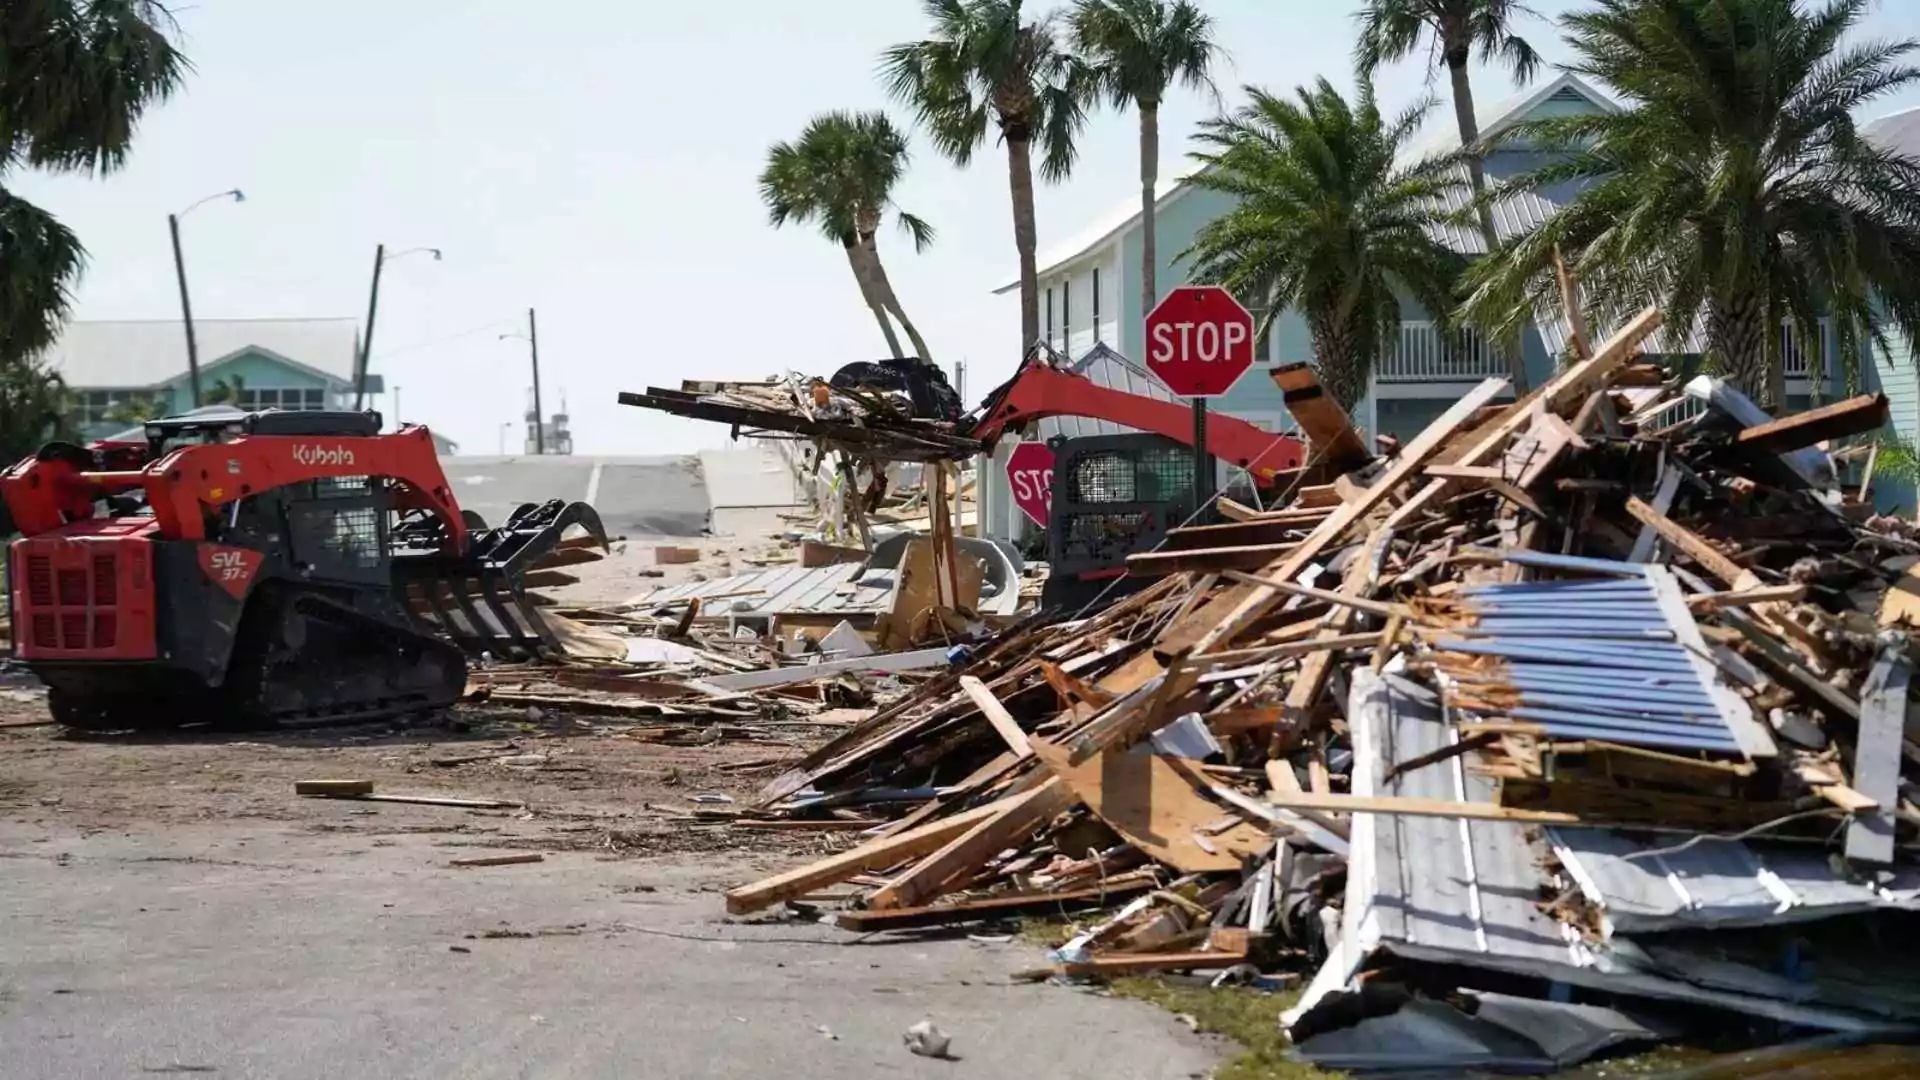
{"x":983,"y":65}
{"x":1137,"y":50}
{"x":1735,"y":189}
{"x":225,"y":391}
{"x":1393,"y":29}
{"x":840,"y":176}
{"x":75,"y":78}
{"x":1327,"y":223}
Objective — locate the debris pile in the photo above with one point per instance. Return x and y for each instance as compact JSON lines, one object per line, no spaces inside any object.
{"x":1535,"y":710}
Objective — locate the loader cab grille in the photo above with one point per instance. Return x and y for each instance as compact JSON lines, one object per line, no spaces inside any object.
{"x":1115,"y":495}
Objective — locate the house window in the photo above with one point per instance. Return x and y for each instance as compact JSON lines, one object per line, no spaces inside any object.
{"x":92,"y":407}
{"x":1066,"y":314}
{"x":1096,"y":305}
{"x":286,"y":400}
{"x":1049,"y":316}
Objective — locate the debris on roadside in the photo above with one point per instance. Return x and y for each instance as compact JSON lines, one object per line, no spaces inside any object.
{"x":1538,"y":708}
{"x":498,"y":860}
{"x":362,"y":791}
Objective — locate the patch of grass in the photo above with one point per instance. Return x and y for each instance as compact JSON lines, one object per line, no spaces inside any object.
{"x":1248,"y":1017}
{"x":1045,"y":931}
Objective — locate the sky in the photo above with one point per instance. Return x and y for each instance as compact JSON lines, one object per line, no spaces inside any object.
{"x":596,"y":160}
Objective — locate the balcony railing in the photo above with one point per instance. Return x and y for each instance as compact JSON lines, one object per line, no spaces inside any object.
{"x":1796,"y":362}
{"x":1425,"y":353}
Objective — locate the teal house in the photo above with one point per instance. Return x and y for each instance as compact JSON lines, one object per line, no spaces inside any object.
{"x":292,"y":364}
{"x":1090,"y":296}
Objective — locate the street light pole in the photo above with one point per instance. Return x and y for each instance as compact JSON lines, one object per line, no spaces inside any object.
{"x":186,"y":303}
{"x":366,"y":342}
{"x":380,"y":258}
{"x":539,"y":416}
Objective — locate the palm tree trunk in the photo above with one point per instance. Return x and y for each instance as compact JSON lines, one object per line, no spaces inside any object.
{"x":871,"y":295}
{"x":1336,"y":356}
{"x":1020,"y":183}
{"x":1149,"y":181}
{"x":883,"y":286}
{"x":1469,"y":124}
{"x":1737,"y":335}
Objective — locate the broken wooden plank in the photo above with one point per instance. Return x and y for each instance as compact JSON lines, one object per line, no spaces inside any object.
{"x":1332,"y":442}
{"x":993,"y":907}
{"x":1414,"y":807}
{"x":876,"y":854}
{"x":1135,"y":963}
{"x":1154,"y":806}
{"x":1413,"y":457}
{"x":997,"y":715}
{"x":1854,"y":416}
{"x":499,"y":860}
{"x":1015,"y":818}
{"x":1690,"y":543}
{"x":1877,"y":755}
{"x":1739,"y":598}
{"x":1158,"y":563}
{"x":333,"y":789}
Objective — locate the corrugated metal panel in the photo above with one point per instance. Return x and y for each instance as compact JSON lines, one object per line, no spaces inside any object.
{"x":1611,"y":659}
{"x":826,"y":590}
{"x":1447,"y":890}
{"x":1644,"y":886}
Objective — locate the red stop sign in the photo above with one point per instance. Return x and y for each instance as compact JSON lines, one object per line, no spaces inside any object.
{"x":1030,"y":474}
{"x":1199,"y":340}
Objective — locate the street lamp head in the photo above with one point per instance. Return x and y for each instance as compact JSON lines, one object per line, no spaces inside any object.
{"x":238,"y":195}
{"x":392,"y":255}
{"x":231,"y":193}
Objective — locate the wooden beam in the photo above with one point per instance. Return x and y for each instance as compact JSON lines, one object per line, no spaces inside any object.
{"x":1131,"y":963}
{"x":1013,"y":820}
{"x":1877,"y":755}
{"x":1411,"y":807}
{"x":993,"y":907}
{"x":1157,"y":563}
{"x":1266,"y":529}
{"x":1332,"y":443}
{"x":876,"y":854}
{"x":1558,"y":395}
{"x":1854,"y":416}
{"x":997,"y":715}
{"x":1691,"y":543}
{"x":1765,"y":594}
{"x":1413,"y":457}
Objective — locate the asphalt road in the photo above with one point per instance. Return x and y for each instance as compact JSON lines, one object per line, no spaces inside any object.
{"x":636,"y":496}
{"x":285,"y":949}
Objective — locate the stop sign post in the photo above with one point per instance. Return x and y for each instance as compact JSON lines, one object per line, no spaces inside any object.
{"x":1199,"y":343}
{"x":1030,"y":474}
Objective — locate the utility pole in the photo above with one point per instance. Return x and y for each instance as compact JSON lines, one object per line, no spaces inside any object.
{"x":186,"y":310}
{"x":539,"y":417}
{"x":366,"y":343}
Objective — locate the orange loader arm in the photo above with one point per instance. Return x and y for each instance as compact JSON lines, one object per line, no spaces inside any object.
{"x":1040,"y":390}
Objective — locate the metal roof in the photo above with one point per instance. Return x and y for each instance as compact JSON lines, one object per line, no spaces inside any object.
{"x":1459,"y":891}
{"x":841,"y":589}
{"x":136,"y":354}
{"x":1104,"y":366}
{"x":1618,"y":658}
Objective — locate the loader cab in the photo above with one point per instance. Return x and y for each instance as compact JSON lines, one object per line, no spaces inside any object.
{"x":1113,"y":495}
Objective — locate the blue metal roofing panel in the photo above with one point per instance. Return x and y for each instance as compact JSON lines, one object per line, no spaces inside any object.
{"x":1580,"y":656}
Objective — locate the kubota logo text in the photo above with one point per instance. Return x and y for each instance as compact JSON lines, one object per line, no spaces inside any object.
{"x":322,"y":455}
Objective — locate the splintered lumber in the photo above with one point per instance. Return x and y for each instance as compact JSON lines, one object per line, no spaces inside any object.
{"x":814,"y":553}
{"x":1413,"y":457}
{"x":993,"y":907}
{"x":441,"y":800}
{"x":1134,"y":963}
{"x":500,"y":860}
{"x":1253,"y":557}
{"x":1332,"y":443}
{"x":1685,"y":540}
{"x":333,"y":789}
{"x":1877,"y":756}
{"x":1854,"y":416}
{"x":1155,"y":807}
{"x":997,"y":715}
{"x":876,"y":854}
{"x":1560,"y":393}
{"x":1015,"y":818}
{"x":1394,"y":804}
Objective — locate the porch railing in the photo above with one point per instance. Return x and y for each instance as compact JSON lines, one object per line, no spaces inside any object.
{"x":1425,"y":353}
{"x":1800,"y":363}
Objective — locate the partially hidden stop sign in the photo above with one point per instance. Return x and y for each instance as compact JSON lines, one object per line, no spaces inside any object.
{"x":1030,"y":474}
{"x":1199,"y":340}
